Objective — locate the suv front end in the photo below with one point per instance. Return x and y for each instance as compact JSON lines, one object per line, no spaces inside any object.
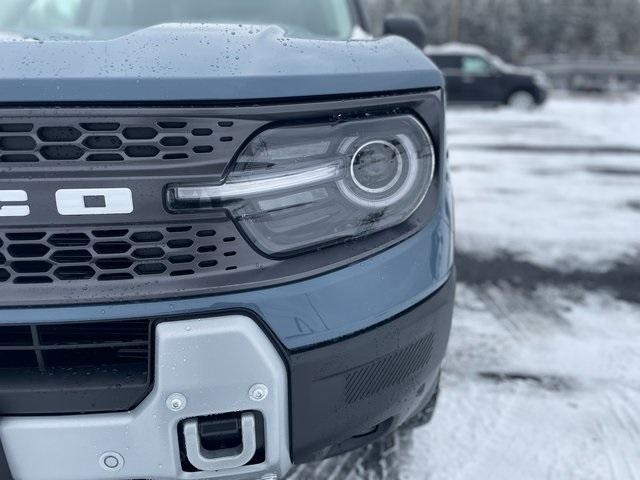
{"x":217,"y":272}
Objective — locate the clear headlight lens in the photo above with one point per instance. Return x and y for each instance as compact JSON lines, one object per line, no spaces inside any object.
{"x":298,"y":187}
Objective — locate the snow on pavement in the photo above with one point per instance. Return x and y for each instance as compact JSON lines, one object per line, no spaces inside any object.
{"x":558,"y":187}
{"x":533,"y":396}
{"x":542,"y":378}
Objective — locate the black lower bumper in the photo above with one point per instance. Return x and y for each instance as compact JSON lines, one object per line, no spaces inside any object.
{"x":348,"y":393}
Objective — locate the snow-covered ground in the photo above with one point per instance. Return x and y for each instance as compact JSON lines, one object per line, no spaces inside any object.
{"x":558,"y":187}
{"x":542,"y":379}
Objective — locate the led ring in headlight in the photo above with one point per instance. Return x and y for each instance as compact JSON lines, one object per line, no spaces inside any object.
{"x":376,"y":166}
{"x":407,"y":176}
{"x":301,"y":186}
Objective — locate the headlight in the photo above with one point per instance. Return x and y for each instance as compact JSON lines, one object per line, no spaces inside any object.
{"x":298,"y":187}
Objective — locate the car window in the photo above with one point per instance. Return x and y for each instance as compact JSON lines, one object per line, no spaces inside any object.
{"x":101,"y":19}
{"x":447,"y":62}
{"x":53,"y":13}
{"x":41,"y":13}
{"x":473,"y":65}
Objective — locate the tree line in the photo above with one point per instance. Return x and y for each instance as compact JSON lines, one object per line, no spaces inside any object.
{"x":515,"y":29}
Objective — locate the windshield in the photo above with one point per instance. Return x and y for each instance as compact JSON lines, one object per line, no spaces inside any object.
{"x":104,"y":19}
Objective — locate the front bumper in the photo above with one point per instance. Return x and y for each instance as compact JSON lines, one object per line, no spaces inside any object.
{"x":211,"y":363}
{"x":322,"y":401}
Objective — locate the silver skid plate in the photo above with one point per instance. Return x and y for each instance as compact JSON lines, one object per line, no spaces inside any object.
{"x":202,"y":367}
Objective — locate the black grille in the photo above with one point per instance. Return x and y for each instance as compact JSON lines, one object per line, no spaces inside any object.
{"x":114,"y":254}
{"x":74,"y":368}
{"x":123,"y":139}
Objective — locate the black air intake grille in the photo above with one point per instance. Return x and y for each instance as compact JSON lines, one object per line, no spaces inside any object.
{"x":115,"y":139}
{"x":115,"y":254}
{"x":74,"y":368}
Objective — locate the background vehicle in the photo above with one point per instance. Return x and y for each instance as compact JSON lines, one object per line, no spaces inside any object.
{"x":224,"y":248}
{"x":474,"y":76}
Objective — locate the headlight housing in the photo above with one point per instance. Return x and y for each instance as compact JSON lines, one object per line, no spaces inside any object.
{"x":303,"y":186}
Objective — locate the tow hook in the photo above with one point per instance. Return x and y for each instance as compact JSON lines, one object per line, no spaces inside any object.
{"x":221,"y":443}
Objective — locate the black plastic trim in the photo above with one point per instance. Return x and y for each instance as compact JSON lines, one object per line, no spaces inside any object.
{"x":5,"y":472}
{"x":65,"y":393}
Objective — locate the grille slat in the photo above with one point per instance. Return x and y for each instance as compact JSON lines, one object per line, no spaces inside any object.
{"x":92,"y":346}
{"x":76,"y":140}
{"x":33,"y":257}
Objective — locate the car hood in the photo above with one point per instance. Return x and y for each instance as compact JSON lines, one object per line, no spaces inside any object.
{"x":187,"y":62}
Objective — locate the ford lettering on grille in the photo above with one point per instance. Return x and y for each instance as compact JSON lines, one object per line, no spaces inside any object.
{"x":91,"y":201}
{"x":16,"y":200}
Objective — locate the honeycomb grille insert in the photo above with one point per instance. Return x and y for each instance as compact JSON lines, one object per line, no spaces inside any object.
{"x":129,"y":139}
{"x":115,"y":254}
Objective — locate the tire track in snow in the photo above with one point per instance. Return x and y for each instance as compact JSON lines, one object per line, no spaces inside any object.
{"x":523,"y":314}
{"x":622,"y":435}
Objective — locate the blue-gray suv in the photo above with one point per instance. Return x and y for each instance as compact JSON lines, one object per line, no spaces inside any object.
{"x":226,"y":236}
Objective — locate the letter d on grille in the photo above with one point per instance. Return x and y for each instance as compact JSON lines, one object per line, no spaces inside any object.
{"x":13,"y":196}
{"x":94,"y":201}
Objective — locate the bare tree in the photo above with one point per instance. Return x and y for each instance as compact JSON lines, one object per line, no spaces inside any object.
{"x":516,"y":28}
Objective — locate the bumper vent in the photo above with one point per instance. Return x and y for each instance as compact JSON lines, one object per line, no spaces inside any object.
{"x":117,"y":140}
{"x":74,"y":368}
{"x":114,"y":254}
{"x":388,"y":371}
